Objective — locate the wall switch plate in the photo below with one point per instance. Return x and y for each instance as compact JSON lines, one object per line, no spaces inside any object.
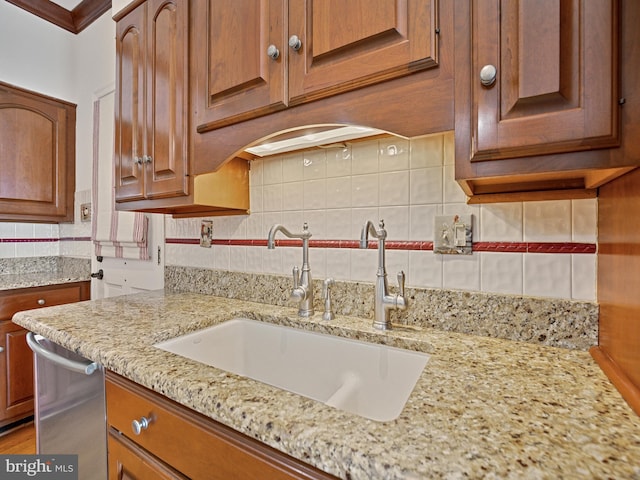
{"x":453,"y":234}
{"x":85,"y":212}
{"x":206,"y":233}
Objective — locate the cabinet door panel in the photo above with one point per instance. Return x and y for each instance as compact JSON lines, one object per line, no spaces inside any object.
{"x":235,"y":78}
{"x":346,"y":45}
{"x":556,"y":88}
{"x":167,"y":134}
{"x":16,"y":370}
{"x":129,"y":106}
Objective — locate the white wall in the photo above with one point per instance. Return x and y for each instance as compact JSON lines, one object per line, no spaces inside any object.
{"x":39,"y":56}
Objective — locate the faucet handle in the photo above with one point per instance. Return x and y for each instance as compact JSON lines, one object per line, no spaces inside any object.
{"x":401,"y":278}
{"x":296,"y":277}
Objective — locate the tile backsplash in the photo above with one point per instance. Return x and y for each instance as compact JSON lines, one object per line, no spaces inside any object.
{"x":406,"y":183}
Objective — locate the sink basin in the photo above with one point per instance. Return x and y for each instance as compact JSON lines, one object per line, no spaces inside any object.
{"x":370,"y":380}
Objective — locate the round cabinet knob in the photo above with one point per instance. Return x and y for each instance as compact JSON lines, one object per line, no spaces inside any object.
{"x":488,"y":75}
{"x":295,"y":43}
{"x":41,"y":301}
{"x":273,"y":52}
{"x":139,"y":425}
{"x":147,"y":158}
{"x":137,"y":160}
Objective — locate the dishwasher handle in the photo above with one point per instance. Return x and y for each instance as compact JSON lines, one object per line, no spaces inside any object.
{"x":87,"y":367}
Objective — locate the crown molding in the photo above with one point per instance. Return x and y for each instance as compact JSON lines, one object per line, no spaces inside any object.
{"x":74,"y":21}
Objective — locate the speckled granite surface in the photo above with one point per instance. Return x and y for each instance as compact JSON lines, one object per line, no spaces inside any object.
{"x":41,"y":271}
{"x":482,"y":408}
{"x":543,"y":321}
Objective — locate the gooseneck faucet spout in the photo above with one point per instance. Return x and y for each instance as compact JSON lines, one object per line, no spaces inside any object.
{"x":383,"y":302}
{"x":302,"y":290}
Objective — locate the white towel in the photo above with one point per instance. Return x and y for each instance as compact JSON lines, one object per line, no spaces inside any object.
{"x":114,"y":234}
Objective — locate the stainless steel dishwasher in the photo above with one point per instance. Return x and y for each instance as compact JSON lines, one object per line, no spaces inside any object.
{"x":70,"y":412}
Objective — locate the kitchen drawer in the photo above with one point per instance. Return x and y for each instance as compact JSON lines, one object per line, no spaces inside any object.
{"x":12,"y":301}
{"x":196,"y":446}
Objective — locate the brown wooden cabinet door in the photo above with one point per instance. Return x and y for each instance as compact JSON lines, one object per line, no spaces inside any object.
{"x":129,"y":462}
{"x":346,"y":45}
{"x":129,"y":105}
{"x":235,"y":79}
{"x":556,"y":87}
{"x":151,"y":135}
{"x":167,"y":100}
{"x":16,"y":372}
{"x":37,"y":156}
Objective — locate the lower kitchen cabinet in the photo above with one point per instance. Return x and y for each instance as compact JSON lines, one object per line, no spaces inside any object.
{"x":151,"y":436}
{"x":16,"y":359}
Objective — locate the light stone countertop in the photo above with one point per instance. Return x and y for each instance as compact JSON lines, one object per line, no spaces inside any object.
{"x":482,"y":408}
{"x":14,"y":281}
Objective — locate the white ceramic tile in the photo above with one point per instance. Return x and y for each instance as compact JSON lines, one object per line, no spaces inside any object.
{"x":292,"y":195}
{"x":170,"y":226}
{"x":315,"y":164}
{"x":547,"y":275}
{"x":317,"y":263}
{"x":427,"y":151}
{"x":171,"y":254}
{"x":25,"y":230}
{"x":314,"y":194}
{"x":338,"y":192}
{"x":364,"y":157}
{"x":585,"y":220}
{"x":393,"y":154}
{"x":396,"y":222}
{"x":461,"y":272}
{"x":292,"y":167}
{"x":338,"y":264}
{"x":237,"y":226}
{"x":270,"y":219}
{"x":272,"y":260}
{"x":501,"y":222}
{"x":547,"y":221}
{"x":501,"y":272}
{"x":584,"y":273}
{"x":359,"y":216}
{"x":317,"y":222}
{"x":448,"y":146}
{"x":421,"y":218}
{"x":291,"y":257}
{"x":394,"y":188}
{"x":339,"y":162}
{"x":338,"y":224}
{"x":254,"y":259}
{"x":256,"y":172}
{"x":7,"y":230}
{"x":272,"y":198}
{"x":238,"y":259}
{"x":203,"y":257}
{"x":42,"y":230}
{"x":272,"y":170}
{"x":452,"y":191}
{"x":25,"y":250}
{"x":294,"y":221}
{"x":425,"y":270}
{"x":364,"y":264}
{"x":425,"y":186}
{"x":396,"y":261}
{"x":221,"y":256}
{"x":364,"y":190}
{"x":255,"y":226}
{"x":255,"y":199}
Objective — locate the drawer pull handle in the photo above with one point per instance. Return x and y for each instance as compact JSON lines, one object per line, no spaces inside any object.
{"x":41,"y":301}
{"x":139,"y":425}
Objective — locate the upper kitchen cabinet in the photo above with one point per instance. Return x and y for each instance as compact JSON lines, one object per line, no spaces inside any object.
{"x":261,"y":67}
{"x":537,"y":97}
{"x":151,"y":134}
{"x":258,"y":56}
{"x":37,"y":157}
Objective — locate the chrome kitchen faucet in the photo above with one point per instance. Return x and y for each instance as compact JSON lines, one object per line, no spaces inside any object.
{"x":383,"y":302}
{"x":302,"y":290}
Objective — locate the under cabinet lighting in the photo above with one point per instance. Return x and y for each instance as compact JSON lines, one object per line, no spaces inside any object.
{"x":317,"y":139}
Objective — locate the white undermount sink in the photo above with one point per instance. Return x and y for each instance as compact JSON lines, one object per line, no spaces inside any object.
{"x":370,"y":380}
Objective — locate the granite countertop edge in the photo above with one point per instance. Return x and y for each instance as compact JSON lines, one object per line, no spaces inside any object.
{"x":482,"y":406}
{"x":41,"y":279}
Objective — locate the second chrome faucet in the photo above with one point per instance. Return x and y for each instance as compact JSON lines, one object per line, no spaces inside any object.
{"x":302,"y":290}
{"x":383,"y":302}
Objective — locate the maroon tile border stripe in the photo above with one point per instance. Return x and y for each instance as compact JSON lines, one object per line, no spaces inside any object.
{"x":501,"y":247}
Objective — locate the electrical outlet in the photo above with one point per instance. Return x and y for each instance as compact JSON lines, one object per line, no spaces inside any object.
{"x":453,"y":234}
{"x":206,"y":233}
{"x":85,"y":212}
